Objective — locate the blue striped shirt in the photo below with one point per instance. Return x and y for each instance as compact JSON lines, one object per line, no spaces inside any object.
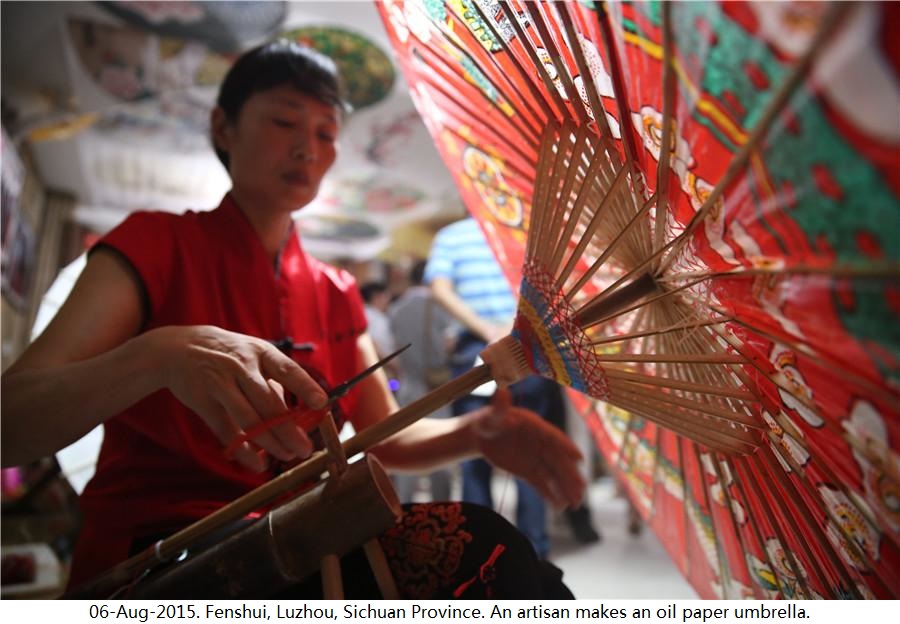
{"x":461,"y":254}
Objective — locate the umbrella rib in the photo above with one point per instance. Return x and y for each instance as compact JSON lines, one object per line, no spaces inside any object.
{"x":587,"y":313}
{"x":574,"y":169}
{"x":590,"y":86}
{"x":526,"y":79}
{"x":616,"y":73}
{"x":537,"y":17}
{"x":521,"y":101}
{"x":685,"y":496}
{"x":551,"y":165}
{"x":591,"y":183}
{"x":779,"y":380}
{"x":444,"y":87}
{"x":744,"y":499}
{"x":729,"y":510}
{"x":628,"y":427}
{"x":665,"y":150}
{"x":773,"y":110}
{"x":709,"y":409}
{"x":724,"y":569}
{"x":884,"y":270}
{"x":620,"y":236}
{"x":704,"y":373}
{"x":798,"y":438}
{"x":750,"y":476}
{"x":788,"y":488}
{"x":722,"y":376}
{"x":688,"y":425}
{"x":821,"y":357}
{"x":595,"y":222}
{"x":803,"y":479}
{"x":676,"y":384}
{"x":659,"y":331}
{"x":536,"y":62}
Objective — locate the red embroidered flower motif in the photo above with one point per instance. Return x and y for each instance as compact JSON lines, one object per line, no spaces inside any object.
{"x":425,"y":548}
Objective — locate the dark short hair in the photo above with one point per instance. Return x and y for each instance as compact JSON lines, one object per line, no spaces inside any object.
{"x":417,"y":274}
{"x":272,"y":65}
{"x":371,"y":289}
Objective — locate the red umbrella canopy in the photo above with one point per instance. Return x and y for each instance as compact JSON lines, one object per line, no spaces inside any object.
{"x":727,"y":307}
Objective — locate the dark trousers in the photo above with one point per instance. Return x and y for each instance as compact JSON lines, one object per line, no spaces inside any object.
{"x":540,"y":395}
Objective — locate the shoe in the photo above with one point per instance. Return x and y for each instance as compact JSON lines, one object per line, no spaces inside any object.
{"x":580,"y":522}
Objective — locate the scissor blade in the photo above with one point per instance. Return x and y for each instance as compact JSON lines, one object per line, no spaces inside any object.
{"x":342,"y":389}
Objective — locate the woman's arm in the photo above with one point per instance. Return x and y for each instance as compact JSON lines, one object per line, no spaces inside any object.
{"x":511,"y":438}
{"x":91,"y":363}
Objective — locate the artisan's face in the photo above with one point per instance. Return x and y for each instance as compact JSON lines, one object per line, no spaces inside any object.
{"x":280,"y":147}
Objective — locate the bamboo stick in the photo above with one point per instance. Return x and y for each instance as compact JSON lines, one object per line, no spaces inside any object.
{"x":310,"y":470}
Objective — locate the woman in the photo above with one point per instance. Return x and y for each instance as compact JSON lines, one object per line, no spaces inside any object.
{"x":168,"y":338}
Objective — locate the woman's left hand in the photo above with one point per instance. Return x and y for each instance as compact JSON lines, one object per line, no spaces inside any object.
{"x":521,"y":442}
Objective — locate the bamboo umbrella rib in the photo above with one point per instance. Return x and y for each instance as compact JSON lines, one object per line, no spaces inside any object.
{"x":825,"y":510}
{"x":725,"y":416}
{"x":706,"y":407}
{"x":689,"y":325}
{"x":749,"y":476}
{"x":779,"y":380}
{"x":688,"y":425}
{"x":876,"y":270}
{"x":555,"y":205}
{"x":720,"y":377}
{"x":551,"y":162}
{"x":444,"y":86}
{"x":536,"y":62}
{"x":724,"y":569}
{"x":600,"y":184}
{"x":632,"y":417}
{"x":562,"y":73}
{"x":665,"y":149}
{"x":626,"y":129}
{"x":799,"y":439}
{"x":592,"y":181}
{"x":655,"y":477}
{"x":594,"y":224}
{"x":823,"y":359}
{"x":729,"y":510}
{"x":685,"y":497}
{"x":692,"y":358}
{"x":549,"y":154}
{"x":521,"y":124}
{"x":620,"y":236}
{"x":590,"y":87}
{"x":522,"y":103}
{"x":791,"y":494}
{"x":744,"y":501}
{"x":835,"y":16}
{"x":676,"y":384}
{"x":596,"y":302}
{"x":536,"y":94}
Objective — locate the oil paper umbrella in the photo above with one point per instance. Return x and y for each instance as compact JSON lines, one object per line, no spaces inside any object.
{"x":701,"y":206}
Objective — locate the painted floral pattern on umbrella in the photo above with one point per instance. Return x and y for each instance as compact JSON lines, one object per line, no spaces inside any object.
{"x":800,"y":252}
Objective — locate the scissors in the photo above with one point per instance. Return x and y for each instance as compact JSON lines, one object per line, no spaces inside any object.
{"x":307,"y":418}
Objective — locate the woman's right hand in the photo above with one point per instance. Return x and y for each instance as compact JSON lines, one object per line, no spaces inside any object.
{"x":234,"y":382}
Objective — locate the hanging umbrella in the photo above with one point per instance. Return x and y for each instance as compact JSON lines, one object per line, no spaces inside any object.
{"x":727,"y":307}
{"x":224,"y":26}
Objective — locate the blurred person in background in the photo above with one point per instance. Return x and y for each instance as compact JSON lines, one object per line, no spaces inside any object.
{"x":416,"y":319}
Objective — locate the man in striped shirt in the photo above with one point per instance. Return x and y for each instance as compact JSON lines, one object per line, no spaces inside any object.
{"x":467,"y":280}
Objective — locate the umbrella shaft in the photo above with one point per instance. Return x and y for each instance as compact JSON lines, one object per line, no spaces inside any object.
{"x":618,"y":300}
